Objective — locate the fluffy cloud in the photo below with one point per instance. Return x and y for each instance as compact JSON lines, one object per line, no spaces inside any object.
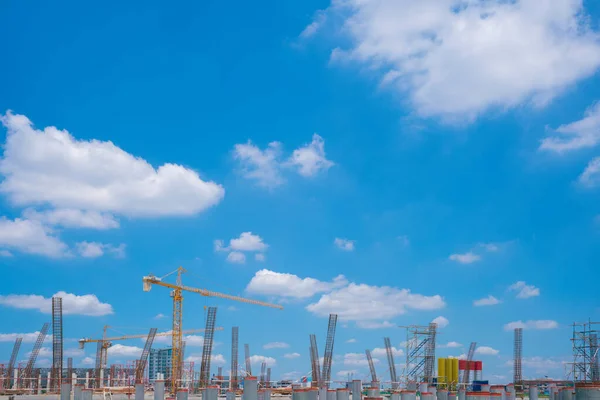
{"x":236,"y":257}
{"x":291,"y":355}
{"x":87,"y":361}
{"x":532,"y":324}
{"x":50,"y":166}
{"x":160,"y":316}
{"x":190,"y":340}
{"x":265,"y":167}
{"x":458,"y":59}
{"x":87,"y":304}
{"x":247,"y":242}
{"x":5,"y":253}
{"x":276,"y":345}
{"x":374,"y":324}
{"x":30,"y":236}
{"x":358,"y":359}
{"x":310,"y":159}
{"x":576,"y":135}
{"x":27,"y":337}
{"x":381,"y":352}
{"x":441,"y":322}
{"x":259,"y":257}
{"x":95,"y":249}
{"x":351,"y":340}
{"x":288,"y":285}
{"x":451,"y":345}
{"x":256,"y":359}
{"x":590,"y":177}
{"x":540,"y":365}
{"x":486,"y":351}
{"x":467,"y":258}
{"x":216,"y":359}
{"x":524,"y":291}
{"x":73,"y":218}
{"x":486,"y":301}
{"x":119,"y":350}
{"x":363,"y":302}
{"x":344,"y":244}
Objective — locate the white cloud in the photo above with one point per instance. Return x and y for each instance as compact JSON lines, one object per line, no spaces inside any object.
{"x":540,"y":365}
{"x":532,"y":324}
{"x":50,"y":166}
{"x":459,"y":59}
{"x":259,"y":257}
{"x":73,"y":218}
{"x":363,"y":302}
{"x":119,"y":350}
{"x":374,"y":324}
{"x":486,"y":351}
{"x":218,"y":359}
{"x":451,"y":345}
{"x":87,"y":361}
{"x":265,"y":167}
{"x":291,"y":355}
{"x":288,"y":285}
{"x":524,"y":291}
{"x":316,"y":24}
{"x":491,"y":247}
{"x":486,"y":301}
{"x":236,"y":257}
{"x":95,"y":249}
{"x":159,"y":316}
{"x":87,"y":304}
{"x":310,"y":159}
{"x":30,"y":236}
{"x":44,"y":352}
{"x":441,"y":322}
{"x":576,"y":135}
{"x":351,"y":340}
{"x":5,"y":253}
{"x":276,"y":345}
{"x":590,"y":177}
{"x":290,"y":376}
{"x":344,"y":244}
{"x":256,"y":359}
{"x":467,"y":258}
{"x":381,"y":352}
{"x":190,"y":340}
{"x":73,"y":352}
{"x":262,"y":166}
{"x":248,"y":242}
{"x":358,"y":359}
{"x":27,"y":337}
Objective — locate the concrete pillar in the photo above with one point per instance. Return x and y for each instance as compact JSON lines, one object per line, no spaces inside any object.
{"x":313,"y":394}
{"x":48,"y":382}
{"x":533,"y":392}
{"x":462,"y":394}
{"x":412,"y":386}
{"x":330,"y":394}
{"x":323,"y":393}
{"x":451,"y":395}
{"x":74,"y":379}
{"x":211,"y":393}
{"x":65,"y":391}
{"x":87,"y":394}
{"x":342,"y":394}
{"x":15,"y":378}
{"x":433,"y":390}
{"x":408,"y":395}
{"x":77,"y":391}
{"x":250,"y":388}
{"x":230,"y":395}
{"x":373,"y":391}
{"x":159,"y":390}
{"x":356,"y":389}
{"x":395,"y":395}
{"x":442,"y":394}
{"x":423,"y":387}
{"x":87,"y":380}
{"x":39,"y":385}
{"x":267,"y":394}
{"x":101,"y":377}
{"x":182,"y":394}
{"x":139,"y":391}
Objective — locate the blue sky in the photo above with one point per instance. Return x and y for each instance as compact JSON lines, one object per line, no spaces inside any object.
{"x":391,"y":161}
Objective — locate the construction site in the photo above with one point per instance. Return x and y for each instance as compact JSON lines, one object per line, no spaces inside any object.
{"x":163,"y":374}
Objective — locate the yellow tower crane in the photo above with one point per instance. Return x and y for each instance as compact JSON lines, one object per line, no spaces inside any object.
{"x":177,"y":296}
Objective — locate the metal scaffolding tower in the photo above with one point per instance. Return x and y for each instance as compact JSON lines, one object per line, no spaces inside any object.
{"x":328,"y":356}
{"x":98,"y":368}
{"x":390,"y":357}
{"x":585,"y":352}
{"x":263,"y":372}
{"x":466,"y":379}
{"x":268,"y":381}
{"x":11,"y":363}
{"x":57,"y":343}
{"x":234,"y":358}
{"x":420,"y":352}
{"x":248,"y":363}
{"x":518,"y":357}
{"x":69,"y":370}
{"x":315,"y":363}
{"x":207,"y":348}
{"x":28,"y":372}
{"x":371,"y":366}
{"x":141,"y":366}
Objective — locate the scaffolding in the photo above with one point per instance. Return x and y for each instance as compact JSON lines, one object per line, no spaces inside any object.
{"x":518,"y":357}
{"x":234,"y":359}
{"x":585,"y":352}
{"x":57,"y":344}
{"x":420,"y":352}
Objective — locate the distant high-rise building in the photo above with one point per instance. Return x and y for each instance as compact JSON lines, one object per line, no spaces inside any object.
{"x":160,"y":362}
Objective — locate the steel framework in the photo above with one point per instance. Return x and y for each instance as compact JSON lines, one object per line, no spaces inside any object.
{"x":390,"y":357}
{"x":207,"y":348}
{"x":263,"y":371}
{"x":585,"y":352}
{"x":420,"y":352}
{"x":11,"y":363}
{"x":141,"y":365}
{"x":247,"y":357}
{"x":57,"y":343}
{"x":234,"y":358}
{"x":28,"y":372}
{"x":315,"y":363}
{"x":328,"y":356}
{"x":467,"y":374}
{"x":518,"y":357}
{"x":268,"y":380}
{"x":371,"y":366}
{"x":69,"y":370}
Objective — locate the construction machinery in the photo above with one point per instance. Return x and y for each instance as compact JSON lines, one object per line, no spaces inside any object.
{"x":315,"y":362}
{"x":328,"y":356}
{"x":177,"y":295}
{"x":390,"y":357}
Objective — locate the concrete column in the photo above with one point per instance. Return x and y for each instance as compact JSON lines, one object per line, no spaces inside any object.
{"x":451,"y":395}
{"x":87,"y":380}
{"x":533,"y":392}
{"x":331,"y":395}
{"x":267,"y":395}
{"x":39,"y":385}
{"x":412,"y":386}
{"x":139,"y":391}
{"x":101,"y":377}
{"x":395,"y":395}
{"x":342,"y":394}
{"x":15,"y":378}
{"x":77,"y":391}
{"x":87,"y":394}
{"x":182,"y":394}
{"x":230,"y":395}
{"x":313,"y":394}
{"x":442,"y":394}
{"x":65,"y":391}
{"x":74,"y":379}
{"x":356,"y":390}
{"x":323,"y":393}
{"x":250,"y":388}
{"x":211,"y":393}
{"x":48,"y":382}
{"x":462,"y":394}
{"x":159,"y":390}
{"x":433,"y":390}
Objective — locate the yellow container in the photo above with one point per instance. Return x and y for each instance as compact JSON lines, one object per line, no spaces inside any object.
{"x":455,"y":370}
{"x":442,"y":370}
{"x":449,"y":370}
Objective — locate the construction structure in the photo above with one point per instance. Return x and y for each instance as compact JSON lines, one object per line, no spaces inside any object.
{"x":57,"y":343}
{"x":27,"y":376}
{"x":207,"y":347}
{"x":247,"y":359}
{"x":389,"y":350}
{"x":466,"y":378}
{"x":518,"y":358}
{"x":177,"y":294}
{"x":11,"y":364}
{"x":374,"y":381}
{"x":328,"y":356}
{"x":233,"y":377}
{"x":448,"y":370}
{"x":141,"y":365}
{"x":585,"y":366}
{"x":315,"y":362}
{"x":420,"y":352}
